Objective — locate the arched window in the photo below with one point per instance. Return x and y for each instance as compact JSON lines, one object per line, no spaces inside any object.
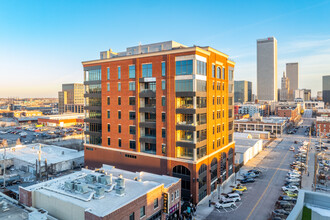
{"x":184,"y":174}
{"x":219,"y":72}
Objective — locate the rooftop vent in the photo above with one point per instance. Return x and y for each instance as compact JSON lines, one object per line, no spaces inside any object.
{"x":120,"y":191}
{"x":81,"y":188}
{"x":120,"y":181}
{"x":69,"y":185}
{"x":104,"y":179}
{"x":90,"y":178}
{"x":99,"y":192}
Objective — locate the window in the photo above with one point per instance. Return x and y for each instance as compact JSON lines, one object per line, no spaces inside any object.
{"x":108,"y":100}
{"x":108,"y":127}
{"x":142,"y":211}
{"x":119,"y":72}
{"x":163,"y":101}
{"x":132,"y":144}
{"x":163,"y":68}
{"x":201,"y":68}
{"x":213,"y":85}
{"x":131,"y":216}
{"x":163,"y":84}
{"x":184,"y":67}
{"x":131,"y":86}
{"x":131,"y":71}
{"x":213,"y":100}
{"x":108,"y":113}
{"x":109,"y":141}
{"x":163,"y":133}
{"x":108,"y":87}
{"x":213,"y":129}
{"x":163,"y":117}
{"x":132,"y":130}
{"x":164,"y":148}
{"x":119,"y":129}
{"x":147,"y":70}
{"x":119,"y":114}
{"x":108,"y":73}
{"x":201,"y":85}
{"x":184,"y":85}
{"x":93,"y":75}
{"x":213,"y":70}
{"x":156,"y":203}
{"x":119,"y":100}
{"x":132,"y":100}
{"x":219,"y":72}
{"x":119,"y":86}
{"x":231,"y":75}
{"x":223,"y":73}
{"x":131,"y":115}
{"x":119,"y":142}
{"x":172,"y":197}
{"x":177,"y":194}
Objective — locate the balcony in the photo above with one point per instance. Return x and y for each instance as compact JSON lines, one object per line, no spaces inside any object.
{"x":148,"y":139}
{"x":148,"y":93}
{"x":148,"y":123}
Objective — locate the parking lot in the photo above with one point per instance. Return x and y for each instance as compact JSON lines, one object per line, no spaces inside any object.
{"x":258,"y":201}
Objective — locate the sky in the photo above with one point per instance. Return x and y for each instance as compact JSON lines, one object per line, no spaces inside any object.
{"x":42,"y":43}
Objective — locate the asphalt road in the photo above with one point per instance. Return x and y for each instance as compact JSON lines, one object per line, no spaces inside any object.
{"x":259,"y":200}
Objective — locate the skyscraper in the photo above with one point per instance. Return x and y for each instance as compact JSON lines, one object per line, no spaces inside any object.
{"x":292,"y":72}
{"x":166,"y":108}
{"x":243,"y":91}
{"x":326,"y":89}
{"x":267,"y":69}
{"x":285,"y":88}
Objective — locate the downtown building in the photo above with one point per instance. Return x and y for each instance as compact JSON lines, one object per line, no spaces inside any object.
{"x":243,"y":91}
{"x":163,"y":108}
{"x":292,"y":72}
{"x":267,"y":69}
{"x":326,"y":89}
{"x":71,"y":98}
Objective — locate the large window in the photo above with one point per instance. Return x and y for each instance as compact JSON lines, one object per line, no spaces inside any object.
{"x":132,"y":100}
{"x":184,"y":67}
{"x":184,"y":85}
{"x":132,"y":130}
{"x":93,"y":75}
{"x":131,"y":71}
{"x":147,"y":70}
{"x":213,"y":70}
{"x":131,"y":115}
{"x":201,"y":85}
{"x":108,"y":73}
{"x":119,"y":86}
{"x":131,"y":86}
{"x":219,"y":72}
{"x":223,"y":73}
{"x":142,"y":211}
{"x":163,"y":84}
{"x":163,"y":101}
{"x":132,"y":145}
{"x":201,"y":68}
{"x":231,"y":75}
{"x":119,"y":72}
{"x":108,"y":87}
{"x":94,"y":88}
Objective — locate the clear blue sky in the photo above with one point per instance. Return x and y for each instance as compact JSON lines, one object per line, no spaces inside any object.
{"x":42,"y":43}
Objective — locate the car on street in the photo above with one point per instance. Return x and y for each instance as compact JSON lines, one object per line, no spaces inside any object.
{"x":291,"y":194}
{"x":247,"y":180}
{"x":225,"y":204}
{"x":240,"y":188}
{"x":251,"y":175}
{"x":292,"y":148}
{"x":290,"y":188}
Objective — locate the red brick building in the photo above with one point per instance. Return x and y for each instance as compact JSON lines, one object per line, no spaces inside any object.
{"x":323,"y":126}
{"x":163,"y":108}
{"x":289,"y":112}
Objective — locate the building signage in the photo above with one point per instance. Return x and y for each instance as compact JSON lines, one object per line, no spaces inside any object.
{"x":174,"y":208}
{"x":150,"y":79}
{"x":165,"y":203}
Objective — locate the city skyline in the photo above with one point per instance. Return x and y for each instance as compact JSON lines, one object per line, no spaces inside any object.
{"x":55,"y":37}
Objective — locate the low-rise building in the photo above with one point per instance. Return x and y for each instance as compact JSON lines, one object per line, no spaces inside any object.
{"x":323,"y":112}
{"x":107,"y":193}
{"x":251,"y":109}
{"x":246,"y":149}
{"x":292,"y":113}
{"x":313,"y":105}
{"x":64,"y":120}
{"x":274,"y":125}
{"x":265,"y":135}
{"x":322,"y":126}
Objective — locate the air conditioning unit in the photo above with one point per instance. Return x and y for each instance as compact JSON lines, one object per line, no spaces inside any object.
{"x":99,"y":192}
{"x":104,"y":179}
{"x":69,"y":185}
{"x":120,"y":191}
{"x":120,"y":181}
{"x":81,"y":188}
{"x":90,"y":178}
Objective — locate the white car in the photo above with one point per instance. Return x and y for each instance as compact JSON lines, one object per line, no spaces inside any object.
{"x":294,"y":172}
{"x":225,"y":204}
{"x":291,"y":148}
{"x":231,"y":196}
{"x":290,"y":188}
{"x":292,"y":179}
{"x":293,"y":175}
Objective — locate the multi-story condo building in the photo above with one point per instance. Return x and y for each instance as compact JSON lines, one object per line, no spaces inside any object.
{"x":164,"y":108}
{"x":267,"y":69}
{"x":326,"y":89}
{"x":307,"y":94}
{"x":285,"y":88}
{"x":243,"y":91}
{"x":252,"y":109}
{"x":71,"y":98}
{"x":292,"y":72}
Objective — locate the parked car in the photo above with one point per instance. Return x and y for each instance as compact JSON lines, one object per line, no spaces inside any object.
{"x":290,"y":188}
{"x":240,"y":188}
{"x":280,"y":212}
{"x":251,"y":175}
{"x":231,"y":196}
{"x":255,"y":171}
{"x":284,"y":204}
{"x":225,"y":204}
{"x":288,"y":198}
{"x":292,"y":180}
{"x":293,"y":175}
{"x":292,"y":148}
{"x":247,"y":180}
{"x":291,"y":194}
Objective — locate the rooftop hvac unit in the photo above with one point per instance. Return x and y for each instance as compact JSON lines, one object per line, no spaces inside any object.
{"x":99,"y":191}
{"x":69,"y":185}
{"x":81,"y":188}
{"x":120,"y":191}
{"x":104,"y":179}
{"x":90,"y":178}
{"x":120,"y":181}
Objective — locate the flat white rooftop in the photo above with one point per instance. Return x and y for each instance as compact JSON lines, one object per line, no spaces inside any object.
{"x":53,"y":154}
{"x":64,"y":116}
{"x":110,"y":201}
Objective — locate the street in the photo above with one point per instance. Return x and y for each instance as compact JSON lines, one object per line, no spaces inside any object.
{"x":259,"y":200}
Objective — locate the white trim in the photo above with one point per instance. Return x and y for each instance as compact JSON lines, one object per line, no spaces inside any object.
{"x":183,"y":77}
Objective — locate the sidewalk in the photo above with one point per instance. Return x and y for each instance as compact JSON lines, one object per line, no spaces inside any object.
{"x":308,"y":180}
